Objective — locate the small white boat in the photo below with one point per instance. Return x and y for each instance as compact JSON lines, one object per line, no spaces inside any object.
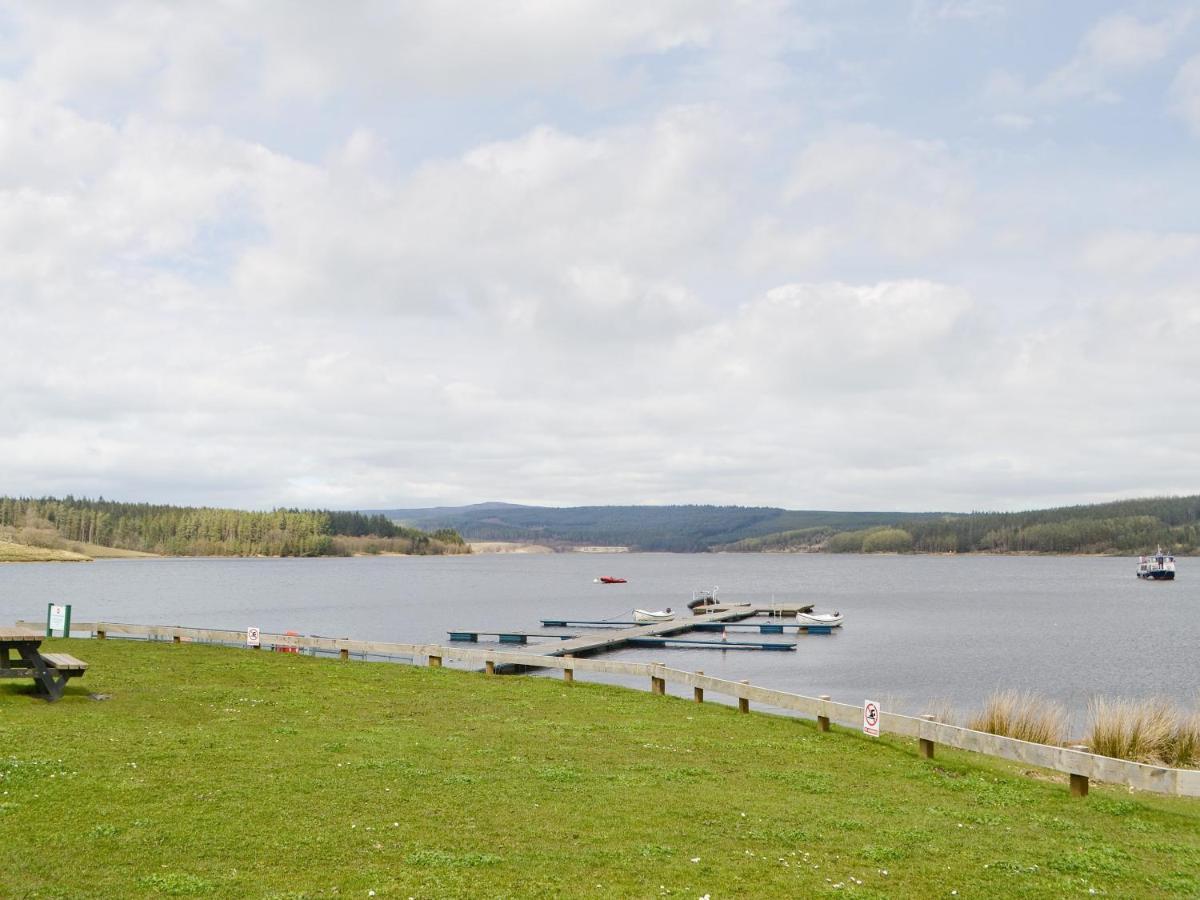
{"x":646,"y":616}
{"x":805,"y":616}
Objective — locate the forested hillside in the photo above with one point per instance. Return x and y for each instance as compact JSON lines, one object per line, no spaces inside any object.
{"x":651,"y":528}
{"x":1127,"y":526}
{"x":204,"y":531}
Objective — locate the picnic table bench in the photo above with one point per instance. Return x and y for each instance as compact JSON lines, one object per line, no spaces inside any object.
{"x":50,"y":671}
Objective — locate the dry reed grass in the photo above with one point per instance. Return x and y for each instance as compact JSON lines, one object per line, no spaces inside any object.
{"x":1150,"y":731}
{"x":942,"y":711}
{"x":1022,"y":715}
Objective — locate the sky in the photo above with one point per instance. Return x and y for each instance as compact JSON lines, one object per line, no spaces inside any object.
{"x":839,"y":254}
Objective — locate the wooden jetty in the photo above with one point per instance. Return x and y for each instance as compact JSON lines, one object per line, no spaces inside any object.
{"x":522,"y":637}
{"x":760,"y":627}
{"x":610,"y":640}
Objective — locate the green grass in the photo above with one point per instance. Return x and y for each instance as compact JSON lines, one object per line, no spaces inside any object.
{"x":223,"y":773}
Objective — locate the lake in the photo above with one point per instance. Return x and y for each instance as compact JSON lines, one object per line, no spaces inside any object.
{"x":918,"y":628}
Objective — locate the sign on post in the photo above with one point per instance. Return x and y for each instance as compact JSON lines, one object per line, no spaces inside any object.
{"x":58,"y":618}
{"x":252,"y":636}
{"x":871,"y":718}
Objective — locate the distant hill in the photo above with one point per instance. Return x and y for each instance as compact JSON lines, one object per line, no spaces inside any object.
{"x":650,"y":528}
{"x":1125,"y":526}
{"x":81,"y":526}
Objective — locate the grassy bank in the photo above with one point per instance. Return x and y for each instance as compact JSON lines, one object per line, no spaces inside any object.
{"x":14,"y":552}
{"x":219,"y":772}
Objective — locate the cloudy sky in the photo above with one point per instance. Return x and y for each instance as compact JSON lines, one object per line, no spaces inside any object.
{"x":921,"y":254}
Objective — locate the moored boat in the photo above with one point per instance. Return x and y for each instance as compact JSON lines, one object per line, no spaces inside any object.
{"x":702,"y":598}
{"x":1159,"y":567}
{"x":610,"y":579}
{"x":806,"y":616}
{"x":646,"y":616}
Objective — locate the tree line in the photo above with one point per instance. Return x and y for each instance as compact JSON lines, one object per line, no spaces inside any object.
{"x":1127,"y":526}
{"x":206,"y":531}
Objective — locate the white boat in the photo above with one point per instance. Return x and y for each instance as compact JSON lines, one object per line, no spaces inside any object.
{"x":806,"y":616}
{"x":646,"y":616}
{"x":1159,"y":567}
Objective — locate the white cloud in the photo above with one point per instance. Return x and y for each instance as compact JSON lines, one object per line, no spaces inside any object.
{"x":1132,"y":254}
{"x":908,"y":198}
{"x":1116,"y":44}
{"x":1185,"y":94}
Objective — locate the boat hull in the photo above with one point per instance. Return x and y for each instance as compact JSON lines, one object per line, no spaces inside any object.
{"x":645,"y":616}
{"x":828,"y":620}
{"x":1157,"y":576}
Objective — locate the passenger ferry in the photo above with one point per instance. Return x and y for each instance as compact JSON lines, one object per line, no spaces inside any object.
{"x":1159,"y":567}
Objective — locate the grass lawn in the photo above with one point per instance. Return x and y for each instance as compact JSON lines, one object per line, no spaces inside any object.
{"x":225,"y":773}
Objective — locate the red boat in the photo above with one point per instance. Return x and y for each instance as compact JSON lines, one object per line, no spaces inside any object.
{"x":609,"y":579}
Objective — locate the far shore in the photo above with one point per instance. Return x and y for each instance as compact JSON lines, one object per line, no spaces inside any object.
{"x":507,"y":547}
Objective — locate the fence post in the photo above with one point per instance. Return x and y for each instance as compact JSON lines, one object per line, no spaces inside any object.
{"x":344,"y":654}
{"x":101,"y":634}
{"x":176,"y":639}
{"x":435,"y":662}
{"x":823,"y":721}
{"x":489,"y":667}
{"x":744,"y":702}
{"x":925,"y":745}
{"x":698,"y":692}
{"x":657,"y":685}
{"x":569,"y":673}
{"x":1079,"y":783}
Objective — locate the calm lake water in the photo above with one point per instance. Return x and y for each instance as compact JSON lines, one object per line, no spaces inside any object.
{"x":918,"y":628}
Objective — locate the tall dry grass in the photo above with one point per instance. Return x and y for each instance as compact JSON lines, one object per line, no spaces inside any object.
{"x":1150,"y":731}
{"x":1022,"y":715}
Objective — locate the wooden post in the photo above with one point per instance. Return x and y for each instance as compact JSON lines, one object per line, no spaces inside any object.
{"x":569,"y":674}
{"x":1079,"y":785}
{"x":744,"y":702}
{"x":658,"y":685}
{"x":698,"y":693}
{"x":489,"y":667}
{"x":925,"y":745}
{"x":823,"y":721}
{"x":101,"y":634}
{"x":176,"y":639}
{"x":344,"y":654}
{"x":435,"y":662}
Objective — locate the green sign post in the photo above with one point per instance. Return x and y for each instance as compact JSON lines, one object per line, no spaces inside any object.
{"x":58,"y":617}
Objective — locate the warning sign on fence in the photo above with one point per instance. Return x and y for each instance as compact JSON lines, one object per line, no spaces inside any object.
{"x":871,"y":718}
{"x":252,"y":637}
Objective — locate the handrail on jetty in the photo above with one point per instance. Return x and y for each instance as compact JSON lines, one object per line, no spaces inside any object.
{"x":1080,"y":765}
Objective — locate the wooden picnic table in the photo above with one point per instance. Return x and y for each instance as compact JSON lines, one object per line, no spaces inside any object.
{"x":50,"y":671}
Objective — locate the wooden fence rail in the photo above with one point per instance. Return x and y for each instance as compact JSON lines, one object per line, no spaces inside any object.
{"x":1080,"y":765}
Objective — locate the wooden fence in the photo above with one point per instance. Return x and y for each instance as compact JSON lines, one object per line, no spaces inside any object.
{"x":1080,"y":765}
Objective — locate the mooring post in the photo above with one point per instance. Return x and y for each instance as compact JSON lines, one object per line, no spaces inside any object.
{"x":823,"y":721}
{"x":1079,"y":783}
{"x":744,"y":702}
{"x":698,"y":692}
{"x":489,"y":667}
{"x":925,"y":744}
{"x":569,"y":673}
{"x":435,"y":662}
